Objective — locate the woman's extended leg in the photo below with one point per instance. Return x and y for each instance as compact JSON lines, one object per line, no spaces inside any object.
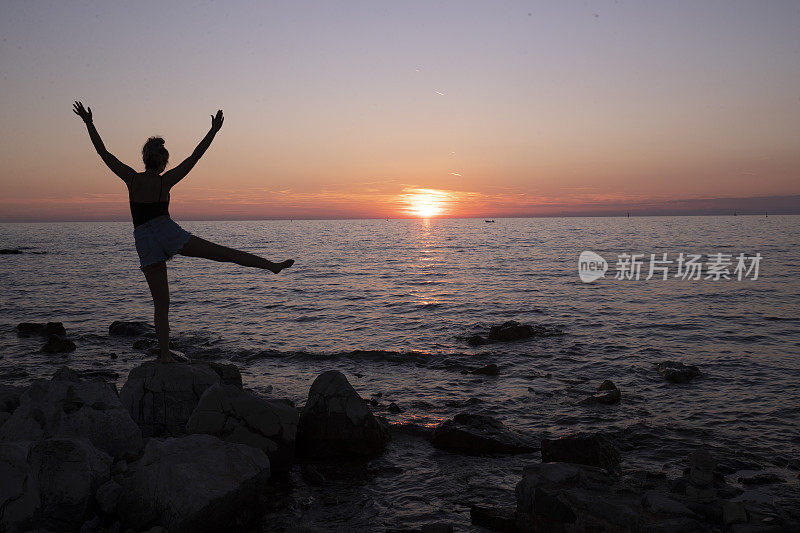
{"x":197,"y":247}
{"x":156,"y":276}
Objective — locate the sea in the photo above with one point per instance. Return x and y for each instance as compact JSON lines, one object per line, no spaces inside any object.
{"x":391,"y":303}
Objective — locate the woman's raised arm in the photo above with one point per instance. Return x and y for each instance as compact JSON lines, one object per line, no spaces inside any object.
{"x":174,"y":175}
{"x":117,"y":167}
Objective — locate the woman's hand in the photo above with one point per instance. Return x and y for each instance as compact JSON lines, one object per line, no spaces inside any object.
{"x":216,"y":121}
{"x":85,"y":115}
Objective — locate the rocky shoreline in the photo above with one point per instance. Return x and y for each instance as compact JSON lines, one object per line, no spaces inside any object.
{"x":185,"y":447}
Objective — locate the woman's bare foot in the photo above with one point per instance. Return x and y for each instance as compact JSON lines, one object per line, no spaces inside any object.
{"x":277,"y":267}
{"x":166,"y":359}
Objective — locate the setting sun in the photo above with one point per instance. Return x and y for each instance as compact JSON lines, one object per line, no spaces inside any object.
{"x":425,"y":203}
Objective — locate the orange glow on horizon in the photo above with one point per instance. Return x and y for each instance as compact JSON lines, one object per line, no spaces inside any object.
{"x":426,"y":203}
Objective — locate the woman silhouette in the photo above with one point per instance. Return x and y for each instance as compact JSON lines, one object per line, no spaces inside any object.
{"x":157,"y":236}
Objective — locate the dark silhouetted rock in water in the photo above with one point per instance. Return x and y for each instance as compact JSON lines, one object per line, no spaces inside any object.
{"x":49,"y":484}
{"x":607,"y":394}
{"x":571,"y":497}
{"x":337,"y":422}
{"x":761,"y":479}
{"x":510,"y":331}
{"x":9,"y":397}
{"x":475,"y":433}
{"x":129,"y":329}
{"x":476,"y":340}
{"x":582,"y":449}
{"x":58,"y":344}
{"x":161,"y":397}
{"x":394,"y":408}
{"x":196,"y":483}
{"x":678,"y":372}
{"x":241,"y":416}
{"x":26,"y":329}
{"x":487,"y":370}
{"x":69,"y":407}
{"x":10,"y":251}
{"x":493,"y":518}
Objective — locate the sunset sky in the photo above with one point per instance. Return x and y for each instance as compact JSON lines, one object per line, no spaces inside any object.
{"x":396,"y":109}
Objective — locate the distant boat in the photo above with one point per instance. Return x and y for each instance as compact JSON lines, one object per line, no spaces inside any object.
{"x":487,"y":221}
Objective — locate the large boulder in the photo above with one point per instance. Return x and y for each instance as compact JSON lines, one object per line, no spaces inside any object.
{"x":583,"y":449}
{"x":9,"y":397}
{"x":69,"y":406}
{"x":161,"y":397}
{"x":570,"y":497}
{"x":475,"y":433}
{"x":235,"y":415}
{"x":49,"y":484}
{"x":337,"y":422}
{"x":196,"y":483}
{"x":25,"y":329}
{"x":129,"y":329}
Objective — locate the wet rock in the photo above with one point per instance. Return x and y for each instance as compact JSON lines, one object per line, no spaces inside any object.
{"x":129,"y":329}
{"x":58,"y":344}
{"x":761,"y":479}
{"x":9,"y":397}
{"x":676,"y":372}
{"x":494,"y":518}
{"x":107,"y":496}
{"x":337,"y":422}
{"x":10,"y":251}
{"x":475,"y":433}
{"x":476,"y":340}
{"x":243,"y":417}
{"x":487,"y":370}
{"x":511,"y":331}
{"x":394,"y":408}
{"x":701,"y":468}
{"x":562,"y":496}
{"x":660,"y":503}
{"x":583,"y":449}
{"x":733,"y":513}
{"x":49,"y":484}
{"x":26,"y":329}
{"x":193,"y":483}
{"x":68,"y":406}
{"x":607,"y":394}
{"x":438,"y":527}
{"x":228,"y":373}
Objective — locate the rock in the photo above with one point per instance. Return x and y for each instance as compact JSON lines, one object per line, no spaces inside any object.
{"x":196,"y":483}
{"x":583,"y":449}
{"x":129,"y":329}
{"x":161,"y":398}
{"x":493,"y":518}
{"x":9,"y":397}
{"x":733,"y":513}
{"x":761,"y":479}
{"x":487,"y":370}
{"x":394,"y":408}
{"x":608,"y":394}
{"x":49,"y":484}
{"x":660,"y":503}
{"x":4,"y":417}
{"x":58,"y":344}
{"x":562,"y":496}
{"x":312,"y":475}
{"x":25,"y":329}
{"x":107,"y":496}
{"x":476,"y":340}
{"x":228,"y":373}
{"x":337,"y":422}
{"x":510,"y":331}
{"x":701,"y":468}
{"x":475,"y":433}
{"x":700,"y":494}
{"x":10,"y":251}
{"x":241,"y":416}
{"x":67,"y":406}
{"x":438,"y":527}
{"x":675,"y":372}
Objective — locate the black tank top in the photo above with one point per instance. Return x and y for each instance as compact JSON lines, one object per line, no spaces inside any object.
{"x":144,"y":211}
